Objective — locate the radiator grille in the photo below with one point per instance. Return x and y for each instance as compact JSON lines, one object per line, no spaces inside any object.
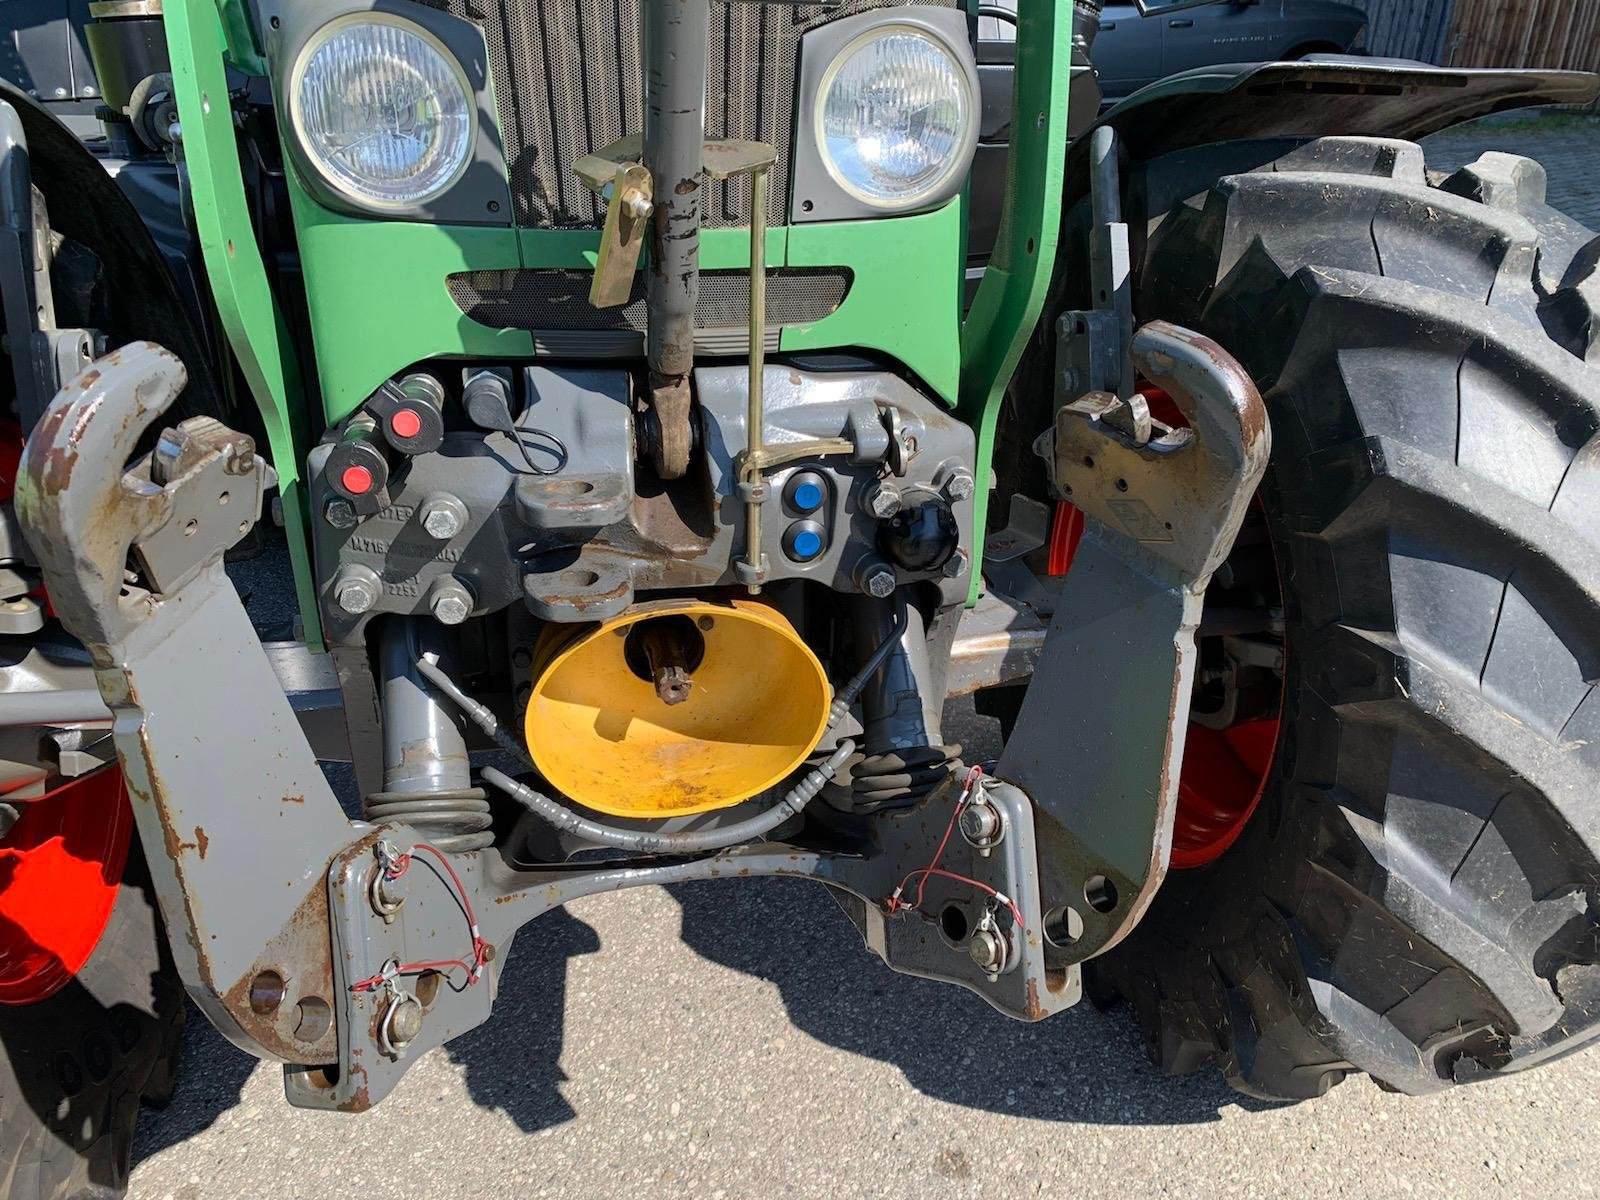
{"x":568,"y":82}
{"x":558,"y":300}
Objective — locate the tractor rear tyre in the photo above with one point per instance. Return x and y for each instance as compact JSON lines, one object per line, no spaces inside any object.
{"x":1417,"y":894}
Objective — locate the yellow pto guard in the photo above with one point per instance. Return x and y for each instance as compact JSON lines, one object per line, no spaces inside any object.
{"x":675,"y":707}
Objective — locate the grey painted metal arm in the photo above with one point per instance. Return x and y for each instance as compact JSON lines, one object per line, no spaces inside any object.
{"x":220,"y":777}
{"x":1100,"y":736}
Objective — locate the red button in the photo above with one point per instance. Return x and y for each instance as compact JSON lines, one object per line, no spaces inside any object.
{"x":357,"y":480}
{"x":405,"y":423}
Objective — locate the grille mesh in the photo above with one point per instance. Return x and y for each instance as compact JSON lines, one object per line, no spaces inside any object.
{"x":558,"y":300}
{"x":568,"y":82}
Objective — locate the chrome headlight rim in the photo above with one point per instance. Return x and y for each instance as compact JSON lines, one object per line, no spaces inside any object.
{"x":340,"y":187}
{"x":946,"y":183}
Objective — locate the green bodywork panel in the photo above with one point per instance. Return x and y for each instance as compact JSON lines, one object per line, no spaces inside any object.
{"x":379,"y":302}
{"x":1011,"y":297}
{"x":257,"y":334}
{"x":905,"y":299}
{"x":377,"y":290}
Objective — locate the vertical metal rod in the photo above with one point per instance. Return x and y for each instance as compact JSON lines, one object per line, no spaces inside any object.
{"x":675,"y":34}
{"x":755,"y":415}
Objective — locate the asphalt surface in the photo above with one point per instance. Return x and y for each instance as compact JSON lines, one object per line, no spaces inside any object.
{"x":736,"y":1039}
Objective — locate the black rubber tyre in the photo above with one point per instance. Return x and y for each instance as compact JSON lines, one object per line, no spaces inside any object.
{"x":1418,"y":895}
{"x":74,"y":1067}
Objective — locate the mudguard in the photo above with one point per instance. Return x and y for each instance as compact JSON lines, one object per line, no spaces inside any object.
{"x":1322,"y":96}
{"x":143,"y":295}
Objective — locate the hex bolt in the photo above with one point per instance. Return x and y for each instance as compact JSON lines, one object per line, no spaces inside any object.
{"x":356,"y":589}
{"x":442,"y":516}
{"x":875,"y":577}
{"x":959,"y":486}
{"x":956,"y":565}
{"x":340,"y":513}
{"x":450,"y":601}
{"x":402,"y":1023}
{"x":882,"y":500}
{"x":988,"y":950}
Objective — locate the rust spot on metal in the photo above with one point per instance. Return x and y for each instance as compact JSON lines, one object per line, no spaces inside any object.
{"x":201,"y":841}
{"x":294,"y":799}
{"x":1031,"y":1008}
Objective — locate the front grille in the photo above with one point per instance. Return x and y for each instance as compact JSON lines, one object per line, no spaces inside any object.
{"x":558,"y":300}
{"x":568,"y":82}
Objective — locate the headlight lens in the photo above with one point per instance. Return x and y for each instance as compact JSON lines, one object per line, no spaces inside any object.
{"x":895,"y":114}
{"x":383,"y":111}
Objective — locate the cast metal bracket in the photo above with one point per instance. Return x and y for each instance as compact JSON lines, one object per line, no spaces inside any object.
{"x":1101,"y":731}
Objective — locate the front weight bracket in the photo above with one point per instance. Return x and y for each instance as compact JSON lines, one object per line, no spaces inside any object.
{"x":1100,"y":735}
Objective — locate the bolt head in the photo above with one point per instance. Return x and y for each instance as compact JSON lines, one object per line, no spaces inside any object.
{"x":403,"y":1022}
{"x":883,"y":500}
{"x":988,"y":949}
{"x":339,"y":513}
{"x":452,"y":607}
{"x":356,"y":596}
{"x":960,"y":487}
{"x":880,"y":583}
{"x":956,"y":565}
{"x":980,"y":824}
{"x":441,"y":522}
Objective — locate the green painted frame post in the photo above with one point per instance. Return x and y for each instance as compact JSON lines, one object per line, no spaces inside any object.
{"x":1012,"y":294}
{"x":246,"y":307}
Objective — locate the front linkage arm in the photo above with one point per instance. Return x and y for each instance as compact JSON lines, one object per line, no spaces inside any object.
{"x":343,"y":948}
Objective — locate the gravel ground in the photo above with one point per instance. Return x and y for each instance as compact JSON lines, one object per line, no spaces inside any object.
{"x":737,"y":1040}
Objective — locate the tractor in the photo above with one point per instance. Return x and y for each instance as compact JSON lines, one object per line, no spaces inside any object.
{"x":650,"y":476}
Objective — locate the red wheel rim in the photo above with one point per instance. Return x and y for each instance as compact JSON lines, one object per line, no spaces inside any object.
{"x":60,"y":871}
{"x":1225,"y":771}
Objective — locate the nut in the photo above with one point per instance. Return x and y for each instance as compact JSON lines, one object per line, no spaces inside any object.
{"x":339,"y":513}
{"x":956,"y":565}
{"x":635,"y":204}
{"x":882,"y":500}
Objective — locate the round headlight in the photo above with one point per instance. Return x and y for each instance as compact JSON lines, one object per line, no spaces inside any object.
{"x":384,"y":112}
{"x":895,"y":113}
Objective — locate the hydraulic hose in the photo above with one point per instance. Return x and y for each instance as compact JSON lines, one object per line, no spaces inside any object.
{"x":693,"y":842}
{"x":686,"y":842}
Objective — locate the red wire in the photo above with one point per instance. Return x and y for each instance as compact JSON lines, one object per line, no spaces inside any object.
{"x":480,"y":948}
{"x":895,"y":904}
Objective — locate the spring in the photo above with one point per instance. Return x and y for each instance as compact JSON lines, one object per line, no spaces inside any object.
{"x":454,"y":821}
{"x":900,"y":778}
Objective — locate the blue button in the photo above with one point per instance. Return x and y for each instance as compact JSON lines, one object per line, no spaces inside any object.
{"x":807,"y":545}
{"x":808,"y":497}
